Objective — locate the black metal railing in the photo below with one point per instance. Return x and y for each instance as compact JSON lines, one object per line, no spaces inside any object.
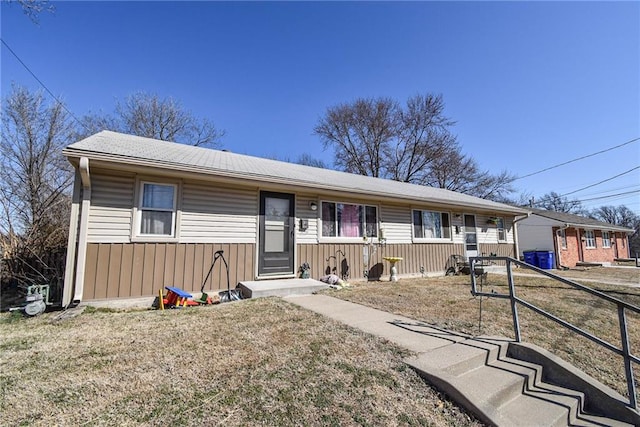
{"x":622,"y":307}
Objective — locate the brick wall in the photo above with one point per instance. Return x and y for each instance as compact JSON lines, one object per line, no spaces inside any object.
{"x":576,"y":250}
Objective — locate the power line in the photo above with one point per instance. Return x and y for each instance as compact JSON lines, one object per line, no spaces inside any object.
{"x":610,"y":196}
{"x":575,"y":160}
{"x":601,"y":182}
{"x":578,"y":202}
{"x":42,"y":84}
{"x":604,"y":192}
{"x":593,"y":185}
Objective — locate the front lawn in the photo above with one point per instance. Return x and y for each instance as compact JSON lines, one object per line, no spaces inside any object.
{"x":254,"y":362}
{"x":447,"y":302}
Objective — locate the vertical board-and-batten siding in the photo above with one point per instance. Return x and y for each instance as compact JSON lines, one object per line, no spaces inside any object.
{"x":116,"y":270}
{"x":329,"y":258}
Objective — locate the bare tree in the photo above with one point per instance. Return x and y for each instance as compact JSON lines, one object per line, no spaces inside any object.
{"x":35,"y":177}
{"x":33,"y":8}
{"x":422,"y":137}
{"x":456,"y":171}
{"x":555,"y":202}
{"x":624,"y":217}
{"x":93,"y":123}
{"x":618,"y":215}
{"x":148,"y":115}
{"x":308,"y":160}
{"x":378,"y":137}
{"x":359,"y":132}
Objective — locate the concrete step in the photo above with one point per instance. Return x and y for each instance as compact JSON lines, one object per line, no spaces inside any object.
{"x":460,"y":358}
{"x":280,"y":287}
{"x":503,"y":390}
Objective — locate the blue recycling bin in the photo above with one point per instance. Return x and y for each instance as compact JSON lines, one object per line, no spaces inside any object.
{"x":545,"y":259}
{"x":531,"y":258}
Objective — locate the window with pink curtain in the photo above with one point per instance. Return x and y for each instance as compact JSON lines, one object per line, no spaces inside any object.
{"x":349,"y":218}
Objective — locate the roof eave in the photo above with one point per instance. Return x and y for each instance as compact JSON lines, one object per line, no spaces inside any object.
{"x":73,"y":153}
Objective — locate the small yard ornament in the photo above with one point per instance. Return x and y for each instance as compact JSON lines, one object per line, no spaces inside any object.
{"x":304,"y":271}
{"x":394,"y":271}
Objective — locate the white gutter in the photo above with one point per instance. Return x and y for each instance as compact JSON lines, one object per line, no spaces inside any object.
{"x":81,"y":259}
{"x":69,"y":270}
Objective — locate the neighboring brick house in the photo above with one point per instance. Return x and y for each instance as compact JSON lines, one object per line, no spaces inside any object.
{"x":574,"y":239}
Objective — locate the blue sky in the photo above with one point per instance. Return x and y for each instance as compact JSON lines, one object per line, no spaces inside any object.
{"x":530,"y":84}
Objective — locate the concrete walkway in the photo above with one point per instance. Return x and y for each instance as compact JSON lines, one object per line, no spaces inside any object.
{"x":407,"y":333}
{"x":479,"y":374}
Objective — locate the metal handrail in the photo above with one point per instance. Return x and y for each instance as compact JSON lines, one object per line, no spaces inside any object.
{"x":625,"y":351}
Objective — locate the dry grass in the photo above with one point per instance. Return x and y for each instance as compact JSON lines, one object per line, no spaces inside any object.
{"x":447,"y":302}
{"x":613,"y":274}
{"x":256,"y":362}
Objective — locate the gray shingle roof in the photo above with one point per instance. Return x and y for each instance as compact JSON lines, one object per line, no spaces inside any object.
{"x":577,"y":220}
{"x":134,"y":150}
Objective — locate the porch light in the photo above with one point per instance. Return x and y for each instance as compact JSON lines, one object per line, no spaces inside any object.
{"x":313,"y":206}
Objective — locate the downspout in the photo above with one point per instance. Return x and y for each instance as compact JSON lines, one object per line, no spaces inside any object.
{"x":69,"y":270}
{"x":84,"y":226}
{"x":515,"y":233}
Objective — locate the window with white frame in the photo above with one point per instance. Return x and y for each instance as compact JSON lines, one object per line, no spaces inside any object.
{"x":563,"y":238}
{"x":431,"y":225}
{"x":157,"y":209}
{"x":606,"y":240}
{"x":590,"y":239}
{"x":502,"y":234}
{"x":349,"y":220}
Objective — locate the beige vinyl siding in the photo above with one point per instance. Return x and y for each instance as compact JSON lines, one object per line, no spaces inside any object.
{"x":457,"y":221}
{"x":214,"y":214}
{"x":303,"y":211}
{"x":488,"y":233}
{"x":111,"y":207}
{"x":396,"y":222}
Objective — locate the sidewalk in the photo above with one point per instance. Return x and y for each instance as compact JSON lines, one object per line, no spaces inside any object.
{"x":407,"y":333}
{"x":477,"y":373}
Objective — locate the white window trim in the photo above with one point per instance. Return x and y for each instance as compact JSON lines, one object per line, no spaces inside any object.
{"x":431,"y":239}
{"x":136,"y":236}
{"x":339,"y":239}
{"x":604,"y":245}
{"x":504,"y":230}
{"x":563,"y":238}
{"x":586,"y":239}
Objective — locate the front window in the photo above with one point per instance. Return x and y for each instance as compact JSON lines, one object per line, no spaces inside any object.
{"x":349,"y":220}
{"x":502,"y":235}
{"x":606,"y":240}
{"x":563,"y":239}
{"x":157,"y":209}
{"x":590,"y":239}
{"x":431,"y":225}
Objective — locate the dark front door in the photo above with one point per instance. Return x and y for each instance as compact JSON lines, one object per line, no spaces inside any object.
{"x":276,"y":240}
